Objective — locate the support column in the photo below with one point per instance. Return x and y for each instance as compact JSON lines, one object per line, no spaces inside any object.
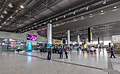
{"x":78,"y":38}
{"x":49,"y":35}
{"x":68,"y":38}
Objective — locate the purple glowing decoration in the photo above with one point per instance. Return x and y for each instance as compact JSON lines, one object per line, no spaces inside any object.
{"x":42,"y":32}
{"x":31,"y":37}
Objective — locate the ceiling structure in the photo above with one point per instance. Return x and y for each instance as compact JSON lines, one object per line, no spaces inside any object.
{"x":20,"y":16}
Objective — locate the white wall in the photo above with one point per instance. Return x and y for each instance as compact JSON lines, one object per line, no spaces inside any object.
{"x":21,"y":36}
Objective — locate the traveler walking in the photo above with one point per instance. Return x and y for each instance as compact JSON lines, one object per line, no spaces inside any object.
{"x":112,"y":52}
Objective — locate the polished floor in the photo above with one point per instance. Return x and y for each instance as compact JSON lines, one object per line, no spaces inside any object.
{"x":36,"y":63}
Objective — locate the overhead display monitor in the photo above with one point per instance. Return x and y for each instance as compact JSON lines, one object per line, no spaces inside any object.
{"x":31,"y":37}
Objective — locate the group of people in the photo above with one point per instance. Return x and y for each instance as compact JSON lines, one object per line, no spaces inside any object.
{"x":61,"y":51}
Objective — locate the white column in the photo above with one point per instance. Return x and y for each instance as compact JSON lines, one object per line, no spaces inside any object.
{"x":78,"y":39}
{"x":68,"y":38}
{"x":49,"y":35}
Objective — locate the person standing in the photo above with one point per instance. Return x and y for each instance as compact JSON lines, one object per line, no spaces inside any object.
{"x":112,"y":50}
{"x":61,"y":52}
{"x":49,"y":53}
{"x":66,"y":52}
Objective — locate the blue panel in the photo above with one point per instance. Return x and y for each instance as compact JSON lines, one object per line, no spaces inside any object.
{"x":48,"y":45}
{"x":29,"y":46}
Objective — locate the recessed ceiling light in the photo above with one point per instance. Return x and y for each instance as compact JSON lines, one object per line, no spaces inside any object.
{"x":75,"y":20}
{"x":16,"y":11}
{"x":74,"y":12}
{"x":11,"y":17}
{"x":5,"y":12}
{"x":115,"y":7}
{"x":64,"y":16}
{"x":102,"y":11}
{"x":104,"y":2}
{"x":21,"y":6}
{"x":56,"y":19}
{"x":10,"y":5}
{"x":4,"y":22}
{"x":50,"y":21}
{"x":90,"y":14}
{"x":2,"y":16}
{"x":87,"y":7}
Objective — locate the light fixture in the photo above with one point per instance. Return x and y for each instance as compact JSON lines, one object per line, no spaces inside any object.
{"x":10,"y":5}
{"x":2,"y":16}
{"x":75,"y":19}
{"x":64,"y":16}
{"x":5,"y":12}
{"x":115,"y":7}
{"x":0,"y":26}
{"x":74,"y":12}
{"x":102,"y":11}
{"x":11,"y":17}
{"x":16,"y":11}
{"x":82,"y":18}
{"x":45,"y":23}
{"x":50,"y":21}
{"x":87,"y":7}
{"x":90,"y":14}
{"x":4,"y":22}
{"x":104,"y":2}
{"x":21,"y":6}
{"x":56,"y":19}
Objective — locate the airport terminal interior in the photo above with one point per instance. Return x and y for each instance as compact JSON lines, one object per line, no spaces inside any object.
{"x":59,"y":36}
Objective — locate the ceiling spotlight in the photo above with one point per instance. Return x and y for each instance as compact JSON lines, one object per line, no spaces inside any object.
{"x":4,"y":22}
{"x":102,"y":11}
{"x":105,"y":1}
{"x":90,"y":14}
{"x":2,"y":16}
{"x":0,"y":26}
{"x":74,"y":12}
{"x":11,"y":17}
{"x":10,"y":5}
{"x":16,"y":11}
{"x":115,"y":7}
{"x":50,"y":21}
{"x":87,"y":7}
{"x":82,"y":18}
{"x":5,"y":12}
{"x":64,"y":16}
{"x":45,"y":23}
{"x":21,"y":6}
{"x":56,"y":19}
{"x":75,"y":19}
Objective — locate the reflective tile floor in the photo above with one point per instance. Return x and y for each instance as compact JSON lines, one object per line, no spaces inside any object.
{"x":36,"y":63}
